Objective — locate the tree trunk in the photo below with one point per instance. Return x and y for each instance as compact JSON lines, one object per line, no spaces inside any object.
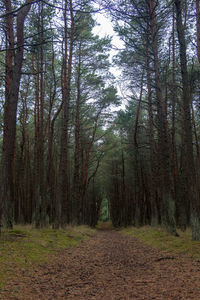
{"x":63,"y":207}
{"x":10,"y":114}
{"x":168,"y":204}
{"x":77,"y":180}
{"x":198,"y":29}
{"x":152,"y":179}
{"x":189,"y":173}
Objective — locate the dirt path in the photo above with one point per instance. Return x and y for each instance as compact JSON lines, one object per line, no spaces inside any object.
{"x":109,"y":266}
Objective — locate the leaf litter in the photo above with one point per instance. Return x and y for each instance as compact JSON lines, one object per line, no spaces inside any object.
{"x":108,"y":266}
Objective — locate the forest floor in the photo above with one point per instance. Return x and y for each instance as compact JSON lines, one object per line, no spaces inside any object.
{"x":109,"y":265}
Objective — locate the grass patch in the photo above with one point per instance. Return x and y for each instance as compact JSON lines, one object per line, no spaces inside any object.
{"x":24,"y":246}
{"x":159,"y":238}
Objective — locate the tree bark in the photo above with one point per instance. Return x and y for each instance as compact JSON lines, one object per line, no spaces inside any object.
{"x":189,"y":173}
{"x":152,"y":180}
{"x":10,"y":113}
{"x":198,"y":29}
{"x":77,"y":180}
{"x":168,"y":204}
{"x":63,"y":207}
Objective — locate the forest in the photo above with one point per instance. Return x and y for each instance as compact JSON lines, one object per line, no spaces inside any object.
{"x":68,"y":149}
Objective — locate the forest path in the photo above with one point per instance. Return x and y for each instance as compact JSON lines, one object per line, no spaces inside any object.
{"x":109,"y":266}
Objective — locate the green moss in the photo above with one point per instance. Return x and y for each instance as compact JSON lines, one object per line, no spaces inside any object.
{"x":159,"y":238}
{"x":25,"y":246}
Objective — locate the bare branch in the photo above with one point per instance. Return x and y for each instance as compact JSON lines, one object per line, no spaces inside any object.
{"x":18,"y":9}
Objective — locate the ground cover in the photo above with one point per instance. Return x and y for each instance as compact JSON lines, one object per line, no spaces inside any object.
{"x":158,"y":237}
{"x":111,"y":265}
{"x":25,"y":246}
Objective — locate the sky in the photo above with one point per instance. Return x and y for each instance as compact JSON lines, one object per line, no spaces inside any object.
{"x":105,"y":28}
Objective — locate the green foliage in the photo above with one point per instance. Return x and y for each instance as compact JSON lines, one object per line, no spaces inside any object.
{"x":104,"y":210}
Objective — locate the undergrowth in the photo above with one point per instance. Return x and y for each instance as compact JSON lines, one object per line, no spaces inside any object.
{"x":159,"y":238}
{"x":24,"y":246}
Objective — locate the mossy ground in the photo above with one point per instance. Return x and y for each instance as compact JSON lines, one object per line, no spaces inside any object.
{"x":159,"y":238}
{"x":24,"y":246}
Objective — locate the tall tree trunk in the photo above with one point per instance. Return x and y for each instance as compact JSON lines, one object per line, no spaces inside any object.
{"x":77,"y":180}
{"x":173,"y":116}
{"x":63,"y":207}
{"x":36,"y":170}
{"x":43,"y":198}
{"x":196,"y":136}
{"x":198,"y":29}
{"x":124,"y":196}
{"x":51,"y":169}
{"x":22,"y":200}
{"x":189,"y":165}
{"x":85,"y":166}
{"x":152,"y":179}
{"x":39,"y":194}
{"x":137,"y":166}
{"x":10,"y":113}
{"x":168,"y":204}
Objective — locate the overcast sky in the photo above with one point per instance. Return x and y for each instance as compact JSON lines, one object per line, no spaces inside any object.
{"x":105,"y":28}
